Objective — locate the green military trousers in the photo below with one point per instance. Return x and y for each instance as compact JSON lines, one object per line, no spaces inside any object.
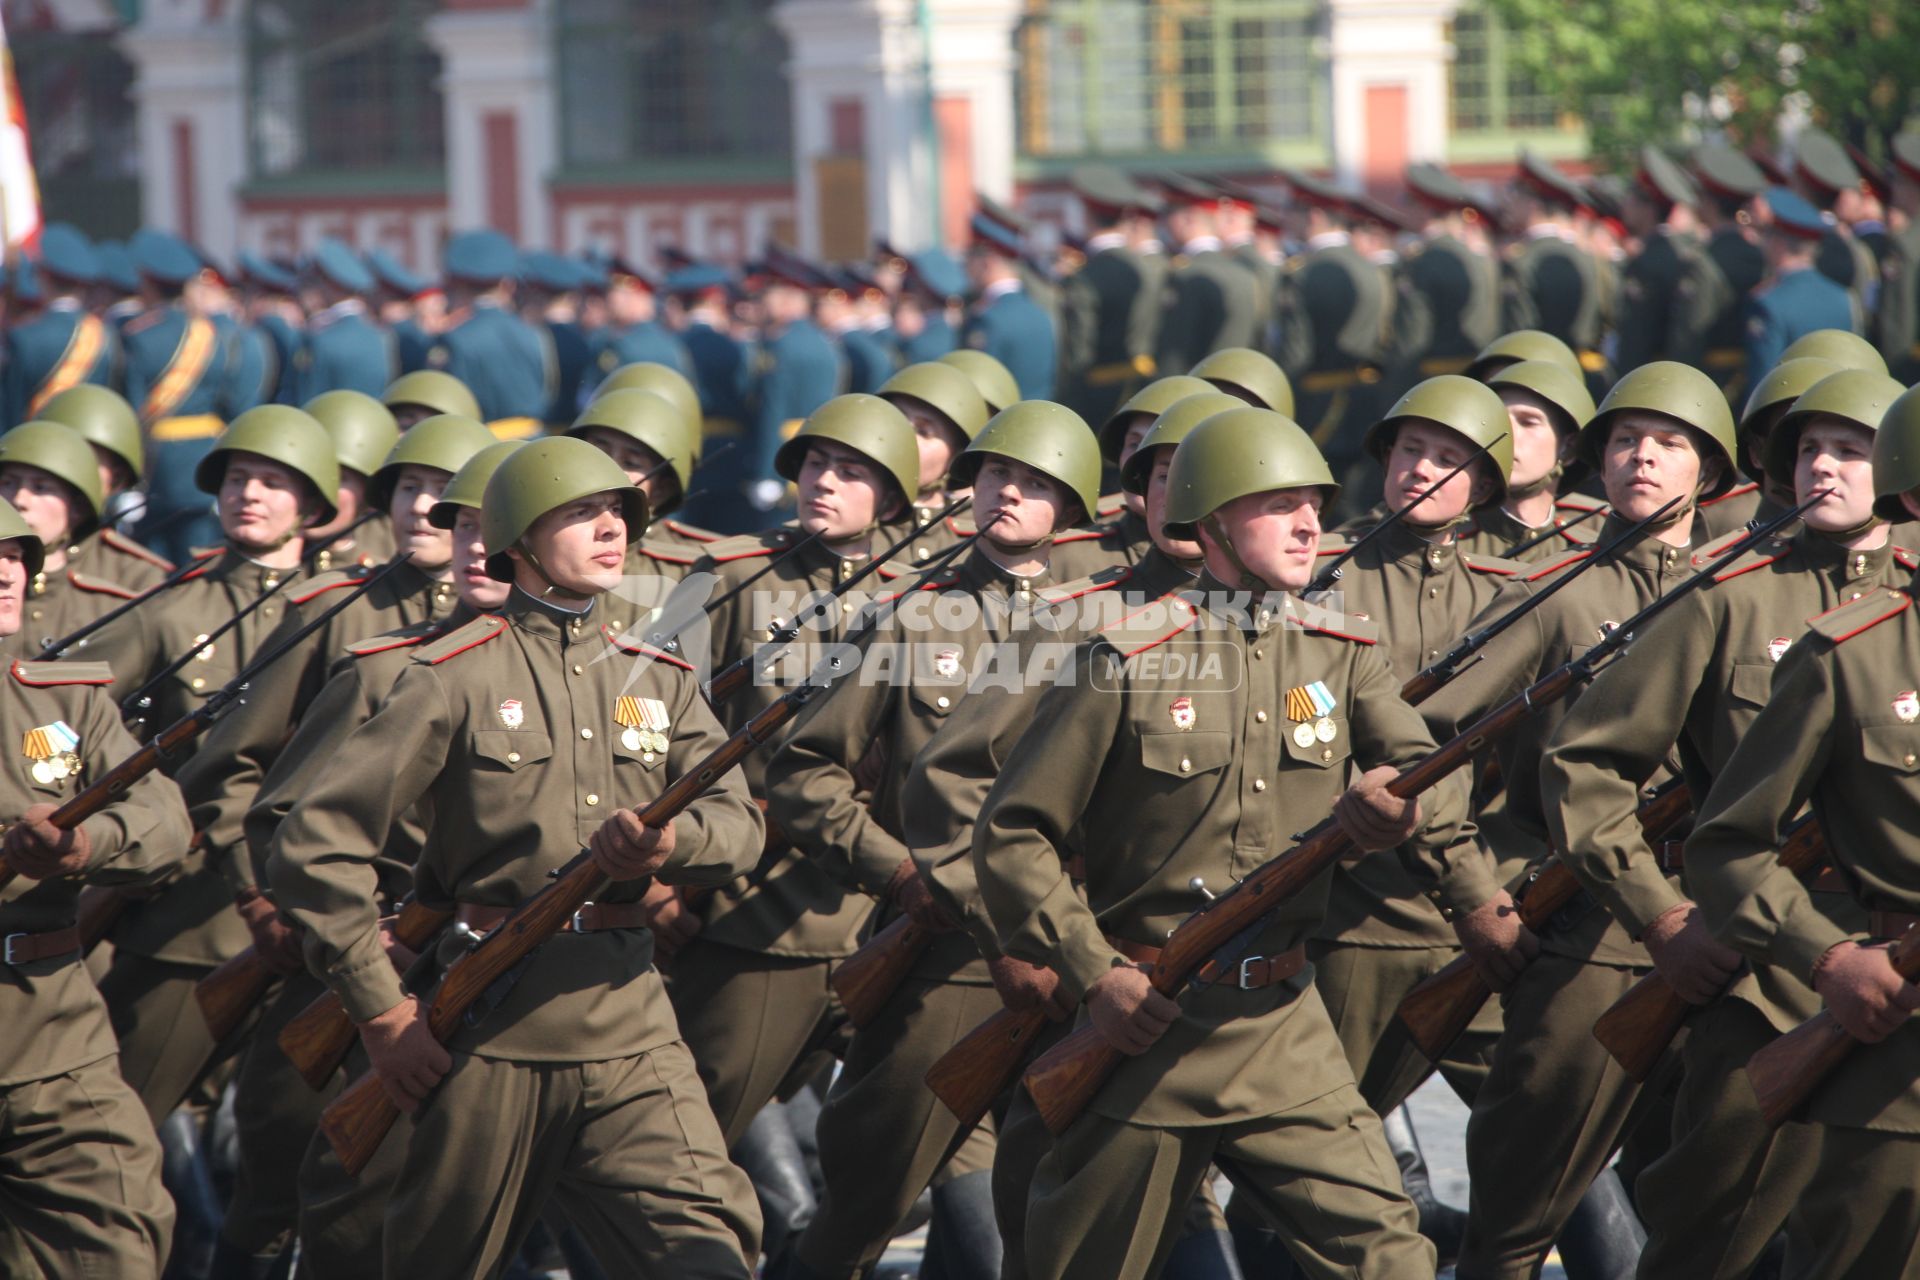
{"x":1362,"y":988}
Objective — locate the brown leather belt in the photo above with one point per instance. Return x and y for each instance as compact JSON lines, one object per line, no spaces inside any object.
{"x":593,"y":917}
{"x":1671,"y":855}
{"x":1890,"y":924}
{"x":25,"y":948}
{"x":1251,"y":974}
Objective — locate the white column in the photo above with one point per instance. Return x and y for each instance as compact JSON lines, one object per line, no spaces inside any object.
{"x":973,"y":58}
{"x":498,"y":61}
{"x":1386,"y":43}
{"x":189,"y":90}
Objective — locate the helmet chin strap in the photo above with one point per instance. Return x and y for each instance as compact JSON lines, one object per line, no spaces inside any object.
{"x":1249,"y":580}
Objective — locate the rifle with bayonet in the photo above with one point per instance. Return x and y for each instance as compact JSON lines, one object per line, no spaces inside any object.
{"x":1325,"y":579}
{"x":1210,"y":941}
{"x":1553,"y":530}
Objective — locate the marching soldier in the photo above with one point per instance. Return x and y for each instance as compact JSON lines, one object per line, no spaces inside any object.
{"x":1210,"y":295}
{"x":549,"y":298}
{"x":505,"y":364}
{"x":1824,"y":174}
{"x":1005,"y":322}
{"x":1547,"y":405}
{"x":1250,"y":231}
{"x":398,"y":294}
{"x":1251,"y":375}
{"x":1110,"y":308}
{"x":344,"y":350}
{"x":1798,"y":298}
{"x":49,"y":476}
{"x":62,"y":345}
{"x":1666,"y":302}
{"x":629,"y":1147}
{"x":634,"y":334}
{"x":428,"y":393}
{"x":1548,"y":281}
{"x":1145,"y":775}
{"x":1452,"y":280}
{"x":106,"y":421}
{"x":364,"y":432}
{"x":947,"y":412}
{"x":1034,"y":470}
{"x":1695,"y":683}
{"x":797,"y":370}
{"x":934,"y":283}
{"x":81,"y":1183}
{"x":1121,"y":434}
{"x":1728,"y":182}
{"x":1836,"y":733}
{"x":1899,"y":310}
{"x":1663,"y":434}
{"x":993,"y":380}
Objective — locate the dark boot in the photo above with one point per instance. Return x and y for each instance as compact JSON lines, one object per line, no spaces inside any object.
{"x":231,"y":1262}
{"x":770,"y":1157}
{"x":964,"y":1241}
{"x":185,"y":1173}
{"x":1203,"y":1255}
{"x":1603,"y":1238}
{"x":1443,"y":1224}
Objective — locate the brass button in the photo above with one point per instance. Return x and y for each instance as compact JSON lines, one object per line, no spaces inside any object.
{"x":578,"y":669}
{"x":1326,"y":755}
{"x":271,"y":580}
{"x":941,"y":702}
{"x":1259,"y":717}
{"x":1186,"y":766}
{"x":513,"y":757}
{"x":266,"y":611}
{"x":1909,"y":760}
{"x":1259,"y":784}
{"x":846,"y":606}
{"x":36,"y":613}
{"x":1259,"y":653}
{"x":1432,"y":592}
{"x":592,"y":799}
{"x":199,"y":683}
{"x":921,"y":553}
{"x":586,"y":733}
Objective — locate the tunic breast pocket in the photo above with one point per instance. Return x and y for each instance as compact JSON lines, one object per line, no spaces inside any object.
{"x":644,"y":747}
{"x":1185,"y":754}
{"x":1322,"y":743}
{"x":1891,"y":746}
{"x":1752,"y":682}
{"x":511,"y":750}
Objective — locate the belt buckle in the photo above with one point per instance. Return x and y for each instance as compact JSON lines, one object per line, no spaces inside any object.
{"x":11,"y":939}
{"x":1245,"y":980}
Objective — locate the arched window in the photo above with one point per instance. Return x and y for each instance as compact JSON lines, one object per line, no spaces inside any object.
{"x":342,"y":86}
{"x":673,"y":86}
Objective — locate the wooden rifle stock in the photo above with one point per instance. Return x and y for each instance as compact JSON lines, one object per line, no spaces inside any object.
{"x":1785,"y":1073}
{"x":228,"y":994}
{"x":358,"y":1121}
{"x":1640,"y":1025}
{"x":1439,"y":1009}
{"x":866,"y":979}
{"x":321,"y":1035}
{"x":984,"y":1063}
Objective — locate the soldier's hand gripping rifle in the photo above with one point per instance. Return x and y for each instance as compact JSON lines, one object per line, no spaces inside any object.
{"x":1063,"y":1080}
{"x":170,"y":741}
{"x":1327,"y":577}
{"x":1637,"y":1028}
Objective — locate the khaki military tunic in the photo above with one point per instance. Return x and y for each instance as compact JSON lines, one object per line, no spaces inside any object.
{"x":79,"y":1163}
{"x":1178,"y":767}
{"x":515,"y":736}
{"x":59,"y":603}
{"x":373,"y":543}
{"x":117,"y":558}
{"x":1841,"y":732}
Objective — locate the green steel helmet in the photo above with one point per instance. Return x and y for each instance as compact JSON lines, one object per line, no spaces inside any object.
{"x":1048,"y":437}
{"x":945,"y":390}
{"x":63,"y":453}
{"x":432,"y":389}
{"x":1672,"y":390}
{"x":994,"y":379}
{"x":362,"y":428}
{"x":866,"y":423}
{"x":445,"y":441}
{"x":664,"y":381}
{"x":1523,"y":344}
{"x":14,"y":525}
{"x":1233,"y":454}
{"x":1240,"y":369}
{"x":1169,"y":429}
{"x":279,"y":433}
{"x":1472,"y":409}
{"x":1775,"y":394}
{"x":1848,"y":350}
{"x":1153,"y":400}
{"x":1552,"y":383}
{"x":103,"y":416}
{"x":648,"y":418}
{"x":1896,"y":457}
{"x":540,"y":476}
{"x":1854,"y":395}
{"x":469,"y":483}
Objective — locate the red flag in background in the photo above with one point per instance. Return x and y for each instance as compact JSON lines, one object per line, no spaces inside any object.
{"x":19,"y":192}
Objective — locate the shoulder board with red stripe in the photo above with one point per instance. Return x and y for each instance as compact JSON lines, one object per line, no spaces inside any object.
{"x":691,"y":532}
{"x":1739,"y":490}
{"x":47,"y":675}
{"x":1554,"y":566}
{"x":667,"y":551}
{"x":1491,"y":564}
{"x":1906,"y":559}
{"x":1110,"y":504}
{"x":99,"y":586}
{"x":1105,"y":580}
{"x":1332,"y":546}
{"x":640,"y":648}
{"x":1577,"y":502}
{"x":126,"y":546}
{"x":454,"y":643}
{"x":1855,"y":616}
{"x":1347,"y":626}
{"x":329,"y":582}
{"x":1081,"y":534}
{"x":1152,"y":625}
{"x":939,"y":581}
{"x":745,"y":546}
{"x":203,"y":561}
{"x":1758,"y":557}
{"x":959,"y":529}
{"x":404,"y":638}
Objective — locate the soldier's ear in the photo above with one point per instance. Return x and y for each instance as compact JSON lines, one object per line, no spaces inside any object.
{"x":1911,"y":501}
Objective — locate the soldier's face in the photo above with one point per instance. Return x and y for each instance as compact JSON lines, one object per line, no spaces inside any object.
{"x":115,"y":475}
{"x":1018,"y":506}
{"x":581,"y":545}
{"x":642,"y":465}
{"x":47,"y":503}
{"x":1536,"y":442}
{"x":1422,"y":453}
{"x":13,"y":584}
{"x":470,"y":579}
{"x":415,"y":490}
{"x":1276,"y":535}
{"x":840,"y":492}
{"x":1648,"y":461}
{"x":1156,"y":509}
{"x":939,"y":441}
{"x":1837,"y":456}
{"x":262,"y":503}
{"x":407,"y":416}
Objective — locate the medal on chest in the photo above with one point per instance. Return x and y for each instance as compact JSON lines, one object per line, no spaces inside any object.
{"x":644,"y":723}
{"x":1906,"y":705}
{"x":53,"y":750}
{"x":1310,"y":707}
